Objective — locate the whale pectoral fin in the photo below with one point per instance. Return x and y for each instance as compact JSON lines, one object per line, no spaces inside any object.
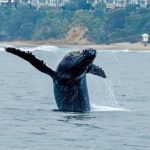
{"x":96,"y":70}
{"x":28,"y":56}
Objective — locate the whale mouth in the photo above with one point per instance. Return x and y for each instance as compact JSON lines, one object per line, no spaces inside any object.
{"x":84,"y":60}
{"x":76,"y":63}
{"x":86,"y":56}
{"x":89,"y":52}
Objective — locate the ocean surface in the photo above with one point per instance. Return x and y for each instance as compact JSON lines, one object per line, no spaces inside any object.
{"x":120,"y":116}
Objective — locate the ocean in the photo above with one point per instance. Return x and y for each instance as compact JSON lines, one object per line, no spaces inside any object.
{"x":120,"y":115}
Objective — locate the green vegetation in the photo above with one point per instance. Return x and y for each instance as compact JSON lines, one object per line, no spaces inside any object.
{"x":25,"y":22}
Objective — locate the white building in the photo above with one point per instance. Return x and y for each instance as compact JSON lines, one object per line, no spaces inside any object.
{"x":4,"y":1}
{"x":112,"y":4}
{"x":123,"y":3}
{"x":145,"y":37}
{"x":51,"y":3}
{"x":55,"y":3}
{"x":142,"y":3}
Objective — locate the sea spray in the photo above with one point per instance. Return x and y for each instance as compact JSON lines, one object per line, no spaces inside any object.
{"x":111,"y":95}
{"x":105,"y":108}
{"x":109,"y":103}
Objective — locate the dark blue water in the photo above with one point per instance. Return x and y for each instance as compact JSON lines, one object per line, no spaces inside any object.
{"x":28,"y":120}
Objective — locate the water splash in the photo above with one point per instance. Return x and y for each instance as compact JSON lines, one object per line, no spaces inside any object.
{"x":105,"y":108}
{"x":111,"y":95}
{"x":111,"y":103}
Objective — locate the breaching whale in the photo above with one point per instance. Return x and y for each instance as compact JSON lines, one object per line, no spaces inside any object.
{"x":69,"y":79}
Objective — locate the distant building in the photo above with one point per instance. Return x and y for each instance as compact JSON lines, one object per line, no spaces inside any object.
{"x":55,"y":3}
{"x":3,"y":1}
{"x":51,"y":3}
{"x":6,"y":1}
{"x":141,"y":3}
{"x":111,"y":4}
{"x":145,"y":37}
{"x":124,"y":3}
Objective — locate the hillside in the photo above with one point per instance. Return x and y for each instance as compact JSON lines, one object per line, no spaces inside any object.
{"x":24,"y":22}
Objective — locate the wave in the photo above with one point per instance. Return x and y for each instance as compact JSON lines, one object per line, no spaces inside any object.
{"x":144,"y":51}
{"x":2,"y":46}
{"x":49,"y":48}
{"x":2,"y":49}
{"x":106,"y":108}
{"x":52,"y":48}
{"x":124,"y":51}
{"x":115,"y":51}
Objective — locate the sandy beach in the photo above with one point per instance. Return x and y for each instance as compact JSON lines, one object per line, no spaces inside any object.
{"x":116,"y":46}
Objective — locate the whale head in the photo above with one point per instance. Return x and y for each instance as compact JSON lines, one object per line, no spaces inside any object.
{"x":76,"y":63}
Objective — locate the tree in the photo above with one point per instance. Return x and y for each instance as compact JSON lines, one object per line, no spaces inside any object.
{"x":116,"y":20}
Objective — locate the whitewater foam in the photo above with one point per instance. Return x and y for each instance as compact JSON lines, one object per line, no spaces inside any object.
{"x":2,"y":46}
{"x":123,"y":51}
{"x":111,"y":95}
{"x":49,"y":48}
{"x":106,"y":108}
{"x":52,"y":48}
{"x":115,"y":51}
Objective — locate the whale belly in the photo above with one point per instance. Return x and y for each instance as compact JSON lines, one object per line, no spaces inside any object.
{"x":72,"y":97}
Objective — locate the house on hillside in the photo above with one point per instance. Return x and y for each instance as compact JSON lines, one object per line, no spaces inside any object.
{"x":51,"y":3}
{"x":141,"y":3}
{"x":124,"y":3}
{"x":110,"y":4}
{"x":6,"y":1}
{"x":3,"y":1}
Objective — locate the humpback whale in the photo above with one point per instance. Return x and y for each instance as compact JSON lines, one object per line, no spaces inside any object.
{"x":69,"y":79}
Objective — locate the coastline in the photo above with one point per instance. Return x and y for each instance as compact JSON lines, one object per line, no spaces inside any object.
{"x":115,"y":46}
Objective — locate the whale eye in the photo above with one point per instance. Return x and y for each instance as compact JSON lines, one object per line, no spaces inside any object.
{"x":73,"y":57}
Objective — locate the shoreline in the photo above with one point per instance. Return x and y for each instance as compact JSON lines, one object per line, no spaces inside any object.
{"x":115,"y":46}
